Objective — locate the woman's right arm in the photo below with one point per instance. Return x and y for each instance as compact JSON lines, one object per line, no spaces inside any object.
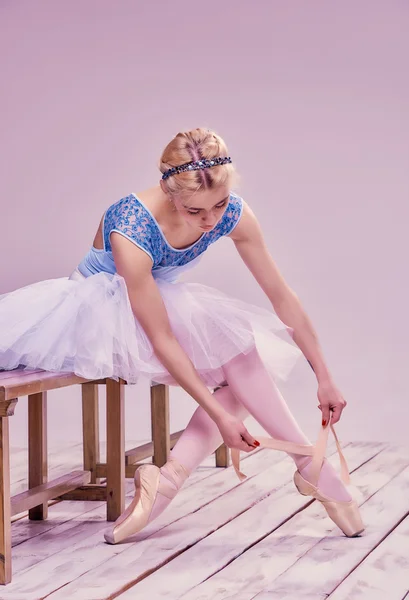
{"x":135,"y":266}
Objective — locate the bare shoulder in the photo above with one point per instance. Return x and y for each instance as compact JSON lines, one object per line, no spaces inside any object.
{"x":248,"y":228}
{"x":149,"y":199}
{"x":131,"y":261}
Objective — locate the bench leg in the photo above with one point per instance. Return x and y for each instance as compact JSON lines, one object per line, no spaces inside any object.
{"x":37,"y":449}
{"x":222,"y":456}
{"x":115,"y":459}
{"x":160,"y":424}
{"x":90,"y":429}
{"x":5,"y":508}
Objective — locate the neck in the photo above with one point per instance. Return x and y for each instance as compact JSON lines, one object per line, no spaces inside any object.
{"x":167,"y":209}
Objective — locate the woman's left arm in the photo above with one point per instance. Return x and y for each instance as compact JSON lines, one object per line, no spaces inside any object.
{"x":250,"y":244}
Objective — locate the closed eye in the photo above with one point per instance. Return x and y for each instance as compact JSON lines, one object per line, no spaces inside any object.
{"x":218,"y":206}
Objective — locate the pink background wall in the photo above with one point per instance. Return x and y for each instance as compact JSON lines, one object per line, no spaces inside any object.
{"x":312,"y":98}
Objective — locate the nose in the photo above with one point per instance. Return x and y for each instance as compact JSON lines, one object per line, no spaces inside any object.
{"x":208,"y":221}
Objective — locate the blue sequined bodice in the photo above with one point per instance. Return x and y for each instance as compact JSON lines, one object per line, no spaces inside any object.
{"x":133,"y":219}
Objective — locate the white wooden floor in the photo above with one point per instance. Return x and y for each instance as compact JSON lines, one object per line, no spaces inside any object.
{"x":222,"y":539}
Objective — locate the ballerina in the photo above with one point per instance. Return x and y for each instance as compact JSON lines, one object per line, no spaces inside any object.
{"x":123,"y":313}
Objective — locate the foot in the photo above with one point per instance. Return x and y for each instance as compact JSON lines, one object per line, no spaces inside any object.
{"x":173,"y":476}
{"x":312,"y":464}
{"x":329,"y":483}
{"x":154,"y":490}
{"x":344,"y":512}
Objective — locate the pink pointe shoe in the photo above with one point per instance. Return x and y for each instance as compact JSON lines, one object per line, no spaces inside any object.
{"x":148,"y":484}
{"x":345,"y":514}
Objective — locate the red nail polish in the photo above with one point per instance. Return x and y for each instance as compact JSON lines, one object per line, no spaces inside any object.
{"x":324,"y":423}
{"x":256,"y":443}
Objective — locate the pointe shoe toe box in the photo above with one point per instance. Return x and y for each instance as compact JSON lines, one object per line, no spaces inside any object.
{"x":136,"y":515}
{"x":109,"y":536}
{"x":345,"y":514}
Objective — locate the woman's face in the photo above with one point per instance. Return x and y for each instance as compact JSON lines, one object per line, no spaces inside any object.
{"x":204,"y":209}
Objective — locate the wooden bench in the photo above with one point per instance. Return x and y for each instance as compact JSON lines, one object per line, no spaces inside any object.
{"x":86,"y":484}
{"x":34,"y":384}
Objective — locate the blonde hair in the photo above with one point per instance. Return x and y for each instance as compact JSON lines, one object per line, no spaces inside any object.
{"x":194,"y":145}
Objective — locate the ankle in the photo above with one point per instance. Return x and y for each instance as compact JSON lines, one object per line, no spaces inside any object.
{"x":329,"y":482}
{"x":302,"y":463}
{"x":174,"y":472}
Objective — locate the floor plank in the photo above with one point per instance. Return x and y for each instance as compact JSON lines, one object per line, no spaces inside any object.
{"x":384,"y":573}
{"x":222,"y":539}
{"x":329,"y":574}
{"x":329,"y":561}
{"x":79,"y":542}
{"x":150,"y":554}
{"x":216,"y":551}
{"x":252,"y":572}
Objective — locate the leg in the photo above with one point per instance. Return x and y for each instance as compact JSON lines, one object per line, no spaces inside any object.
{"x":202,"y":436}
{"x":200,"y":439}
{"x":37,"y":449}
{"x":223,"y":456}
{"x":160,"y":424}
{"x":253,"y":386}
{"x":5,"y":509}
{"x":90,"y":429}
{"x":115,"y":449}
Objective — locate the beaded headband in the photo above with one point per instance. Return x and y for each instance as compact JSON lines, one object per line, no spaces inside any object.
{"x":204,"y":163}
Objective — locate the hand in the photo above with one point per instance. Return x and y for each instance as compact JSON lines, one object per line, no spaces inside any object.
{"x":234,"y":433}
{"x":331,"y":400}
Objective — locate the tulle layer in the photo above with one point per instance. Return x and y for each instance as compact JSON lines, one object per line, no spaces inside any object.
{"x":87,"y":327}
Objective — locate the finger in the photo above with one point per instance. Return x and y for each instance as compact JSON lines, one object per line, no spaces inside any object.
{"x":336,"y":414}
{"x":249,"y":439}
{"x":247,"y":446}
{"x":243,"y":446}
{"x":325,"y":415}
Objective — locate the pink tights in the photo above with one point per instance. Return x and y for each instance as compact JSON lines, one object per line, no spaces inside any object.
{"x":250,"y":390}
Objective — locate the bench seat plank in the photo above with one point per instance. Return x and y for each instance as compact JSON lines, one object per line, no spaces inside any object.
{"x":24,"y":383}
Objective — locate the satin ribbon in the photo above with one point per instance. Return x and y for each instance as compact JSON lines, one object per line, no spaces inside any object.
{"x":317,"y":452}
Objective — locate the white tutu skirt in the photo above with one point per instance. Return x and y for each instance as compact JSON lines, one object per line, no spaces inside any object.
{"x":87,"y":327}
